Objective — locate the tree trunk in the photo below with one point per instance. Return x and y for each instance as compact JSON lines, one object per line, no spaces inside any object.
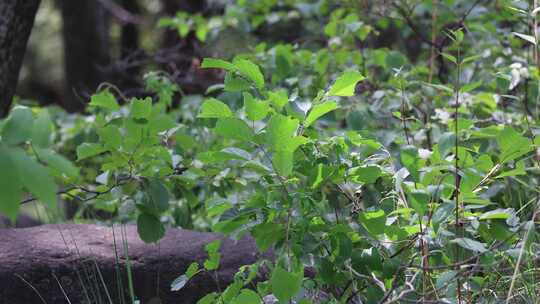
{"x":86,"y":50}
{"x":129,"y":78}
{"x":130,"y":31}
{"x":16,"y":21}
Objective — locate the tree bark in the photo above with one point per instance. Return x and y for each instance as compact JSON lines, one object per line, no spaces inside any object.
{"x":86,"y":50}
{"x":16,"y":21}
{"x":130,"y":31}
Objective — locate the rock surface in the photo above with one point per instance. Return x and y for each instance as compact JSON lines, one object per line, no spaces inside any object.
{"x":40,"y":264}
{"x":23,"y":221}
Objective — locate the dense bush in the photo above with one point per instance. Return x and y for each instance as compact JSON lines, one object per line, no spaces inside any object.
{"x":394,"y":176}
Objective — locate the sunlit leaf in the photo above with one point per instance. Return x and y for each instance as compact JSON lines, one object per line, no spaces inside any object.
{"x":213,"y":108}
{"x":345,"y":84}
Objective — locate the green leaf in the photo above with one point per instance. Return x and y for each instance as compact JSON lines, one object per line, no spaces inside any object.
{"x":181,"y":281}
{"x":35,"y":178}
{"x":185,"y":141}
{"x":499,"y":214}
{"x":373,"y":221}
{"x":231,"y":291}
{"x":443,"y":212}
{"x":395,"y":60}
{"x":280,"y":131}
{"x":266,"y":234}
{"x":341,"y":246}
{"x":278,"y":99}
{"x":255,"y":109}
{"x":471,"y":245}
{"x":18,"y":127}
{"x":150,"y":228}
{"x":345,"y":84}
{"x":319,"y":174}
{"x":319,"y":110}
{"x":110,"y":136}
{"x":208,"y":299}
{"x":251,"y":71}
{"x":213,"y":246}
{"x":446,"y":143}
{"x":445,"y":278}
{"x":105,"y":100}
{"x":235,"y":83}
{"x":216,"y":207}
{"x":58,"y":163}
{"x":234,"y":128}
{"x":42,"y":129}
{"x":213,"y":108}
{"x":366,"y":174}
{"x":141,"y":108}
{"x":214,"y":257}
{"x":513,"y":145}
{"x":518,"y":170}
{"x":357,"y":140}
{"x":282,"y":162}
{"x":449,"y":58}
{"x":192,"y":270}
{"x":440,"y":87}
{"x":410,"y":159}
{"x":10,"y":183}
{"x":419,"y":201}
{"x":158,"y":195}
{"x":285,"y":285}
{"x":247,"y":296}
{"x":161,"y":123}
{"x":87,"y":150}
{"x":280,"y":136}
{"x":201,"y":31}
{"x":217,"y":64}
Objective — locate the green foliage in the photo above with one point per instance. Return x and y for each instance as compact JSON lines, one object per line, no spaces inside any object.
{"x":345,"y":84}
{"x":184,"y":24}
{"x":29,"y":163}
{"x":380,"y":173}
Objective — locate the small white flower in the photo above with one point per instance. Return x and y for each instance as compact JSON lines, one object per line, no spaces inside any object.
{"x":498,"y":62}
{"x":497,"y":98}
{"x":515,"y":65}
{"x":518,"y":72}
{"x":465,"y":99}
{"x":424,"y":153}
{"x":420,"y":136}
{"x":524,"y":72}
{"x":197,"y":164}
{"x":442,"y":115}
{"x":176,"y":159}
{"x":516,"y":77}
{"x":334,"y":41}
{"x":270,"y":299}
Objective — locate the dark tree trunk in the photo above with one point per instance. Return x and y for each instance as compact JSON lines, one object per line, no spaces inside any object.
{"x":130,"y":31}
{"x":86,"y":49}
{"x":128,"y":78}
{"x":16,"y":21}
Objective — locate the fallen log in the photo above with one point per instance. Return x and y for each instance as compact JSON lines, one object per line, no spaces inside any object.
{"x":53,"y":263}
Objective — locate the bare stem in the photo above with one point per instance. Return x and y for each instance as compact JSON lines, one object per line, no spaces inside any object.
{"x":456,"y":169}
